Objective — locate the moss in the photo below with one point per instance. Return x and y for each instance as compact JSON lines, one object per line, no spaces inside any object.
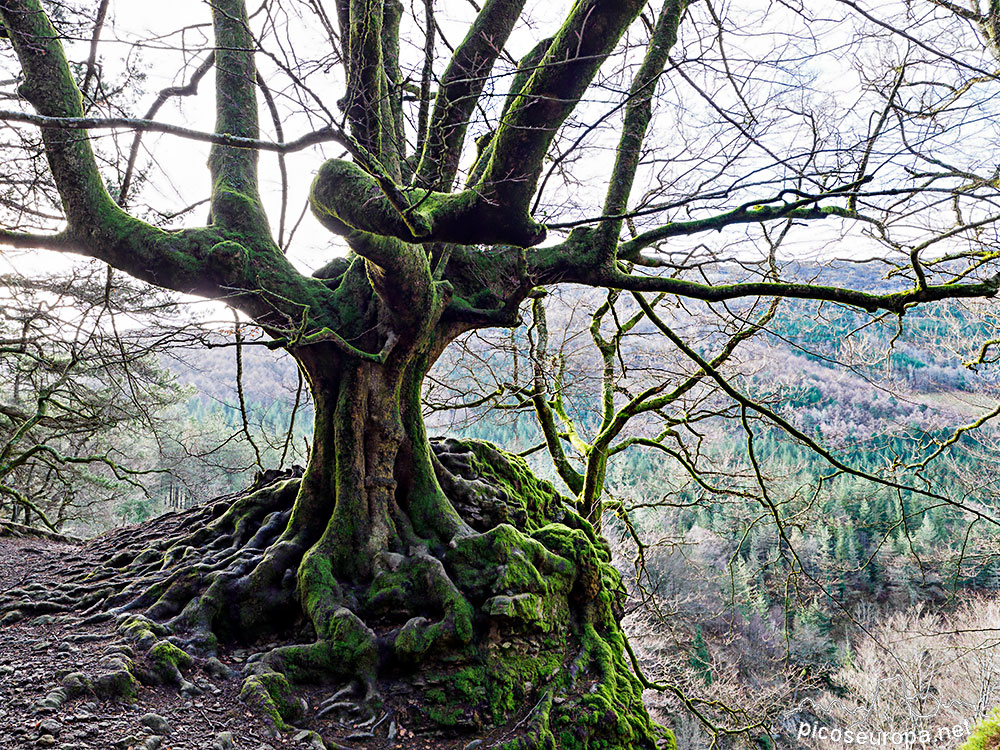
{"x":118,"y":681}
{"x":986,"y":735}
{"x":505,"y":561}
{"x":229,"y":260}
{"x":539,"y":499}
{"x":514,"y":674}
{"x":538,"y":735}
{"x":609,"y":713}
{"x":140,"y":630}
{"x":167,"y":661}
{"x":442,"y":709}
{"x":271,"y":695}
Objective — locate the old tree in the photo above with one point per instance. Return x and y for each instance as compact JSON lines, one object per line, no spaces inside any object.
{"x":390,"y":559}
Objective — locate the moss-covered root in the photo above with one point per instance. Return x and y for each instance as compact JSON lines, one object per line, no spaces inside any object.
{"x":534,"y":731}
{"x":163,"y":662}
{"x":419,"y":583}
{"x":270,"y":695}
{"x":346,"y":649}
{"x":548,"y":604}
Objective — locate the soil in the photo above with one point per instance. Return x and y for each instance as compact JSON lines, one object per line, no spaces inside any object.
{"x":35,"y":655}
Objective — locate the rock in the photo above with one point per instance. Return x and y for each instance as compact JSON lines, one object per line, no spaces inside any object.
{"x":189,"y":689}
{"x":76,"y":683}
{"x":216,"y":668}
{"x":49,"y":726}
{"x":156,"y":724}
{"x":46,"y":740}
{"x":50,"y":702}
{"x":473,"y":745}
{"x":314,"y":740}
{"x":224,"y":741}
{"x":152,"y":743}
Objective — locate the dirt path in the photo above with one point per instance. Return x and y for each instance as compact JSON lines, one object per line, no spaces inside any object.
{"x":39,"y":655}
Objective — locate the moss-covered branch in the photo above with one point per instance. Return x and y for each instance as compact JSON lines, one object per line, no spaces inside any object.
{"x":366,"y":80}
{"x":460,"y":89}
{"x":544,"y":412}
{"x":235,"y":198}
{"x":803,"y":209}
{"x":638,"y":113}
{"x":553,"y":91}
{"x":577,"y":260}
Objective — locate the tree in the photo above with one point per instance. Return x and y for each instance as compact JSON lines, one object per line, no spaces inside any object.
{"x":75,"y":383}
{"x":376,"y":538}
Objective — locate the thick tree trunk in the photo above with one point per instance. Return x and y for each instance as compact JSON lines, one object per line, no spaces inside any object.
{"x":370,"y":488}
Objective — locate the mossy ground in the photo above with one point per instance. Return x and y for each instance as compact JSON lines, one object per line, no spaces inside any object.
{"x":986,"y":735}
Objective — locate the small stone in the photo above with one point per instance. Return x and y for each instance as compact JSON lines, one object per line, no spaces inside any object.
{"x":189,"y":689}
{"x":223,"y":741}
{"x":76,"y":683}
{"x":314,"y":740}
{"x":46,"y":740}
{"x":49,"y":726}
{"x":217,"y":668}
{"x":156,"y":724}
{"x":473,"y":745}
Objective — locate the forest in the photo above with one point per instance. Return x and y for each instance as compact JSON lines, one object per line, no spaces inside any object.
{"x":579,"y":375}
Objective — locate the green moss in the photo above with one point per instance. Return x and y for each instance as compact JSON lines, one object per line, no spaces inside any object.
{"x":166,"y":657}
{"x":515,"y":674}
{"x":271,"y":695}
{"x":139,"y":629}
{"x":118,"y":681}
{"x":986,"y":735}
{"x":609,"y":713}
{"x":505,"y":561}
{"x":539,"y":499}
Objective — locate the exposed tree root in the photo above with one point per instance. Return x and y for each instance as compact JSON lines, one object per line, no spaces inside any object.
{"x":508,"y":633}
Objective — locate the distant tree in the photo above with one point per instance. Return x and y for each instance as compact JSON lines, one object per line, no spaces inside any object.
{"x":80,"y":383}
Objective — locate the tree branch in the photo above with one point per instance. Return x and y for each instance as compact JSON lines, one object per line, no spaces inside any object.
{"x":323,"y":135}
{"x":235,"y":197}
{"x":553,"y":91}
{"x":638,"y":113}
{"x":460,"y":89}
